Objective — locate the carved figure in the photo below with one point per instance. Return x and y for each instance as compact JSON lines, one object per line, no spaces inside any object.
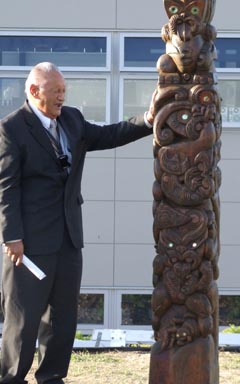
{"x":187,"y":131}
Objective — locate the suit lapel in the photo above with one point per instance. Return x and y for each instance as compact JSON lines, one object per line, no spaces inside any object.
{"x":37,"y":130}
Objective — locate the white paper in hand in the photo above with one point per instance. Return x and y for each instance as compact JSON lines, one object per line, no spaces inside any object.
{"x":33,"y":268}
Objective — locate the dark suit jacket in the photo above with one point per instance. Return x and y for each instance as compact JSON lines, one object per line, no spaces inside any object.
{"x":36,"y":198}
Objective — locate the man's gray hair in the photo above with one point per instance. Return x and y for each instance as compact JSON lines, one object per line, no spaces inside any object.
{"x":41,"y":68}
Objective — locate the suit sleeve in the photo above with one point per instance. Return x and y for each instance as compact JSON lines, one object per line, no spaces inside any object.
{"x":10,"y":187}
{"x":115,"y":135}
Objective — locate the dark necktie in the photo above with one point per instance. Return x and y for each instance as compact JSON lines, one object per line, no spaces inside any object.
{"x":54,"y":137}
{"x":53,"y":134}
{"x":53,"y":130}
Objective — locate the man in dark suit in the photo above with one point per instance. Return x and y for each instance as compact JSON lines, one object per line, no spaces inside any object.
{"x":40,"y":216}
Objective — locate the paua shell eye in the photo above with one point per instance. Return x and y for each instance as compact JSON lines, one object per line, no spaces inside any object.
{"x":170,"y":245}
{"x":195,"y":11}
{"x":173,"y":9}
{"x":183,"y":117}
{"x":206,"y":97}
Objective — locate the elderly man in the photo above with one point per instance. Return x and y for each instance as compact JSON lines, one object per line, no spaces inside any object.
{"x":43,"y":147}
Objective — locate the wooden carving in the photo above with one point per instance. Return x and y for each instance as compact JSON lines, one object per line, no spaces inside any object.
{"x":187,"y":146}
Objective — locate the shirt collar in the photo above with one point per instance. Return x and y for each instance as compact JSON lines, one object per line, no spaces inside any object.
{"x":44,"y":119}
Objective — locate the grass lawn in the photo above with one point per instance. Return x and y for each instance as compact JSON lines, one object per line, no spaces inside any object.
{"x":119,"y":367}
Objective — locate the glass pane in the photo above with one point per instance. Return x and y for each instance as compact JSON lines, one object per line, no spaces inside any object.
{"x":145,"y":51}
{"x":229,"y":310}
{"x":228,"y":50}
{"x":91,"y":309}
{"x":137,"y":96}
{"x":230,"y":93}
{"x":63,"y":51}
{"x":142,"y":51}
{"x":136,"y":310}
{"x":89,"y":95}
{"x":12,"y":95}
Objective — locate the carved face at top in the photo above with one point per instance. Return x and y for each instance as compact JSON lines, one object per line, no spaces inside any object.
{"x":204,"y":9}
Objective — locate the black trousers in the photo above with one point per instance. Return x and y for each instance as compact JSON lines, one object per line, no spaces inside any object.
{"x":43,"y":310}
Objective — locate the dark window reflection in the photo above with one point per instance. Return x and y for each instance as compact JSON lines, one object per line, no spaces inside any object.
{"x":142,"y":51}
{"x":145,"y":51}
{"x":63,"y":51}
{"x":91,"y":309}
{"x":136,"y":310}
{"x":229,"y":310}
{"x":228,"y":51}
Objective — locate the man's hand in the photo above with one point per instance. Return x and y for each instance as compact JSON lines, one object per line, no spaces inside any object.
{"x":152,"y":108}
{"x":14,"y":250}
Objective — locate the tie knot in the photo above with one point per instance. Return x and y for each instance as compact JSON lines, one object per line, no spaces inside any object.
{"x":53,"y":124}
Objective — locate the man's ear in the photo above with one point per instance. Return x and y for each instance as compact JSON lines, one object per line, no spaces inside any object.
{"x":34,"y":90}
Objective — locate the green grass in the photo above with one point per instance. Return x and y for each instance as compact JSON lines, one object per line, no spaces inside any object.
{"x":119,"y":367}
{"x":232,"y":329}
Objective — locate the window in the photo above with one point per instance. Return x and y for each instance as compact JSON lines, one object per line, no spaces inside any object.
{"x":91,"y":309}
{"x":88,"y":94}
{"x":137,"y":95}
{"x":228,"y":51}
{"x":229,"y":310}
{"x":11,"y":94}
{"x":230,"y":93}
{"x":142,"y":51}
{"x":136,"y":309}
{"x":64,"y":51}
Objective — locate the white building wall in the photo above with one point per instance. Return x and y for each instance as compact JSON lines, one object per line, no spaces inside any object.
{"x":230,"y":212}
{"x":117,"y":184}
{"x":101,"y":15}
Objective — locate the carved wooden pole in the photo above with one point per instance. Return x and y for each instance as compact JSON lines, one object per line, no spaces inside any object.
{"x":187,"y":145}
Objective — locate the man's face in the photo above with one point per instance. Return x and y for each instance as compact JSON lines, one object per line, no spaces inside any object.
{"x":50,"y":95}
